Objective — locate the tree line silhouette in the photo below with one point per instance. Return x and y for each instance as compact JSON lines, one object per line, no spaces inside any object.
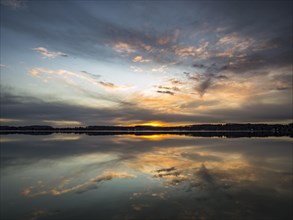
{"x":210,"y":129}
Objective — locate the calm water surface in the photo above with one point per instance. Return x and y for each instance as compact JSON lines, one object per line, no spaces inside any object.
{"x":67,"y":176}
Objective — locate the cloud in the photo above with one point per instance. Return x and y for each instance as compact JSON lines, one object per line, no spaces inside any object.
{"x":237,"y":43}
{"x":261,"y":112}
{"x":204,"y":85}
{"x":35,"y":72}
{"x":270,"y":44}
{"x":65,"y":75}
{"x":209,"y":76}
{"x":176,"y":82}
{"x":232,"y":45}
{"x":68,"y":34}
{"x":161,"y":69}
{"x":14,"y":4}
{"x":166,"y":169}
{"x":122,"y":47}
{"x":282,"y":81}
{"x":34,"y":111}
{"x":201,"y":52}
{"x":171,"y":90}
{"x":139,"y":59}
{"x":185,"y":51}
{"x":49,"y":54}
{"x":174,"y":88}
{"x":165,"y":92}
{"x":69,"y":76}
{"x":128,"y":37}
{"x":108,"y":85}
{"x":200,"y":66}
{"x":136,"y":69}
{"x":163,"y":40}
{"x":95,"y":76}
{"x":169,"y":38}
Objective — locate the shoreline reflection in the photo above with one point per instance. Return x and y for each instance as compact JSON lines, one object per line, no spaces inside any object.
{"x":155,"y":177}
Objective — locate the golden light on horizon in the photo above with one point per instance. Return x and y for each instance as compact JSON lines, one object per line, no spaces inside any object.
{"x":154,"y":124}
{"x":150,"y":123}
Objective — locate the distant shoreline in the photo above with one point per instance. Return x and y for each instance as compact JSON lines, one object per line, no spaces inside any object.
{"x":245,"y":130}
{"x":138,"y":131}
{"x":201,"y":133}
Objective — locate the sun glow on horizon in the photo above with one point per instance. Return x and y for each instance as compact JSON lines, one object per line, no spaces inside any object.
{"x":150,"y":123}
{"x":154,"y":124}
{"x":158,"y":74}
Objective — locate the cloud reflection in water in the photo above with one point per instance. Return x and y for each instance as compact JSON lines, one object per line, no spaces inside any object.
{"x":177,"y":177}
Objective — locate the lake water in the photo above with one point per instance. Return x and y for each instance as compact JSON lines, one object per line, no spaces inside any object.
{"x":71,"y":176}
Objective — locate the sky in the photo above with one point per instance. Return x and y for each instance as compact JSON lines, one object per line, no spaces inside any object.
{"x":77,"y":63}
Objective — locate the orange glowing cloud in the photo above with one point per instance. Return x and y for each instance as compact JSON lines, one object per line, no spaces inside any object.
{"x":139,"y":59}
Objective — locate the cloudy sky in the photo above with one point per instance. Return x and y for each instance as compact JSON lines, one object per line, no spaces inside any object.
{"x":71,"y":63}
